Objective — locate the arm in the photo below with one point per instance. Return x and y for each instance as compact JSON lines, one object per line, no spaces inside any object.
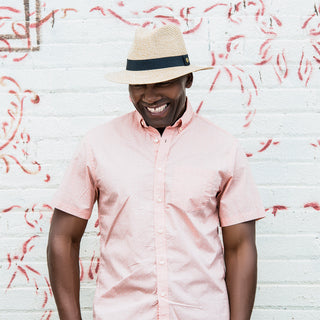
{"x":241,"y":268}
{"x":63,"y":262}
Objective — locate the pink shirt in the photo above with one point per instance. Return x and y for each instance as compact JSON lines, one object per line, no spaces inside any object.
{"x":160,"y":202}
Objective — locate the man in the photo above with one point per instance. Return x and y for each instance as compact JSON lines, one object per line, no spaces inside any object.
{"x":164,"y":179}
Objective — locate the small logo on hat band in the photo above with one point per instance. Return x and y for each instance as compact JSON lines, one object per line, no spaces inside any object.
{"x":158,"y":63}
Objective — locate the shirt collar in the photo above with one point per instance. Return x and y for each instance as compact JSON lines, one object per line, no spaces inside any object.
{"x":181,"y":123}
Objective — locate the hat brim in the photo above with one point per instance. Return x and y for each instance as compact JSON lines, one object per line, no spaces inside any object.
{"x":152,"y":76}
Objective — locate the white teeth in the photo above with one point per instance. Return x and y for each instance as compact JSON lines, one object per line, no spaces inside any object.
{"x":158,"y":109}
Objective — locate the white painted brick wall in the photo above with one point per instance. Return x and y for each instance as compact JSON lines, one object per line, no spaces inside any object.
{"x":80,"y":43}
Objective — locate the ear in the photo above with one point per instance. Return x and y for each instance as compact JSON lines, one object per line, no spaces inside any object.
{"x":189,"y":80}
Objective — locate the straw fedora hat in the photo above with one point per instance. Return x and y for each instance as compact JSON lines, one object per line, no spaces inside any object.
{"x":156,"y":55}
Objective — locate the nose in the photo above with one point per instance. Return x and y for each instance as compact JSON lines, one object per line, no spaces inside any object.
{"x":150,"y":94}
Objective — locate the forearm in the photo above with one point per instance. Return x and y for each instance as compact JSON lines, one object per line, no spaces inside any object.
{"x":63,"y":265}
{"x":241,"y":279}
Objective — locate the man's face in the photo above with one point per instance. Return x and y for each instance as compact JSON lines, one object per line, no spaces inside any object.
{"x":161,"y":104}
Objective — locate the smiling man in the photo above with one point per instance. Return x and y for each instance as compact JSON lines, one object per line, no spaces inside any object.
{"x":165,"y":180}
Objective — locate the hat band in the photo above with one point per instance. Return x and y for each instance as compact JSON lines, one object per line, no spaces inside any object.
{"x":158,"y":63}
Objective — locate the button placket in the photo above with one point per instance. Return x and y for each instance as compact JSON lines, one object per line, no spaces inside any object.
{"x":160,"y":234}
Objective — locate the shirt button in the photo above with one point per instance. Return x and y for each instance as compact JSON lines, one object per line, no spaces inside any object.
{"x":156,"y":140}
{"x":163,"y":294}
{"x":159,"y":169}
{"x":161,"y":261}
{"x":160,"y":231}
{"x":159,"y":200}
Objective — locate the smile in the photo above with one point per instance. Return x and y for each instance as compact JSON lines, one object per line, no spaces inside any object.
{"x":158,"y":109}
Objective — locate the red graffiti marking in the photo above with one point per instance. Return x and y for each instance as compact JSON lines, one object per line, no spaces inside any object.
{"x":65,"y":11}
{"x":98,"y":9}
{"x":47,"y":179}
{"x":45,"y":19}
{"x":156,"y":8}
{"x":10,"y":208}
{"x":10,"y":9}
{"x":199,"y":107}
{"x":122,"y":19}
{"x":12,"y":133}
{"x":275,"y":209}
{"x":266,"y":145}
{"x":314,"y":205}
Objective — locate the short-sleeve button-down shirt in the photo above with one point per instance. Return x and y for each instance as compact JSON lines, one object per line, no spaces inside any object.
{"x":160,"y":200}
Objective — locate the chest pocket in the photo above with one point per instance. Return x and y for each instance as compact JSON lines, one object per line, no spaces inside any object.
{"x":191,"y":188}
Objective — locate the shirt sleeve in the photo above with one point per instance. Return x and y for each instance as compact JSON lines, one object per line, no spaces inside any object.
{"x":240,"y":200}
{"x":77,"y":192}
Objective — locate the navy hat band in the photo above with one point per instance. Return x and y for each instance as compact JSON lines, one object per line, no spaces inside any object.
{"x":158,"y":63}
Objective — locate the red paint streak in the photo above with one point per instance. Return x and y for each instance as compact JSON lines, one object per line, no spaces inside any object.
{"x":121,"y":19}
{"x":45,"y":301}
{"x":263,"y":62}
{"x":47,"y":206}
{"x":11,"y":80}
{"x":16,"y":32}
{"x":25,"y":245}
{"x":266,"y":146}
{"x":246,"y":125}
{"x":97,"y":266}
{"x":120,"y":4}
{"x":213,"y":59}
{"x":300,"y":65}
{"x":10,"y":9}
{"x":314,"y":145}
{"x":90,"y":274}
{"x":23,"y":272}
{"x":277,"y":74}
{"x":23,"y":168}
{"x":214,"y":81}
{"x":241,"y":84}
{"x":268,"y":32}
{"x":33,"y":270}
{"x":194,"y":28}
{"x":263,"y":7}
{"x":254,"y":84}
{"x":47,"y":179}
{"x":276,"y":142}
{"x":286,"y":65}
{"x":168,"y":18}
{"x":276,"y":208}
{"x":156,"y":8}
{"x":98,"y":9}
{"x":317,"y":60}
{"x":316,"y":48}
{"x":263,"y":45}
{"x":307,"y":21}
{"x":10,"y":208}
{"x":65,"y":11}
{"x":9,"y":260}
{"x":21,"y":58}
{"x":230,"y":16}
{"x":237,"y":6}
{"x":231,"y":40}
{"x":45,"y":19}
{"x":279,"y":23}
{"x":214,"y":6}
{"x":11,"y":280}
{"x":199,"y":108}
{"x":249,"y":155}
{"x":314,"y":205}
{"x":249,"y":100}
{"x":313,"y":32}
{"x":36,"y":98}
{"x":229,"y":73}
{"x":49,"y":286}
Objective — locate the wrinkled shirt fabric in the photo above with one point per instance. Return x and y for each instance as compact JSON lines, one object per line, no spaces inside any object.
{"x":160,"y":201}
